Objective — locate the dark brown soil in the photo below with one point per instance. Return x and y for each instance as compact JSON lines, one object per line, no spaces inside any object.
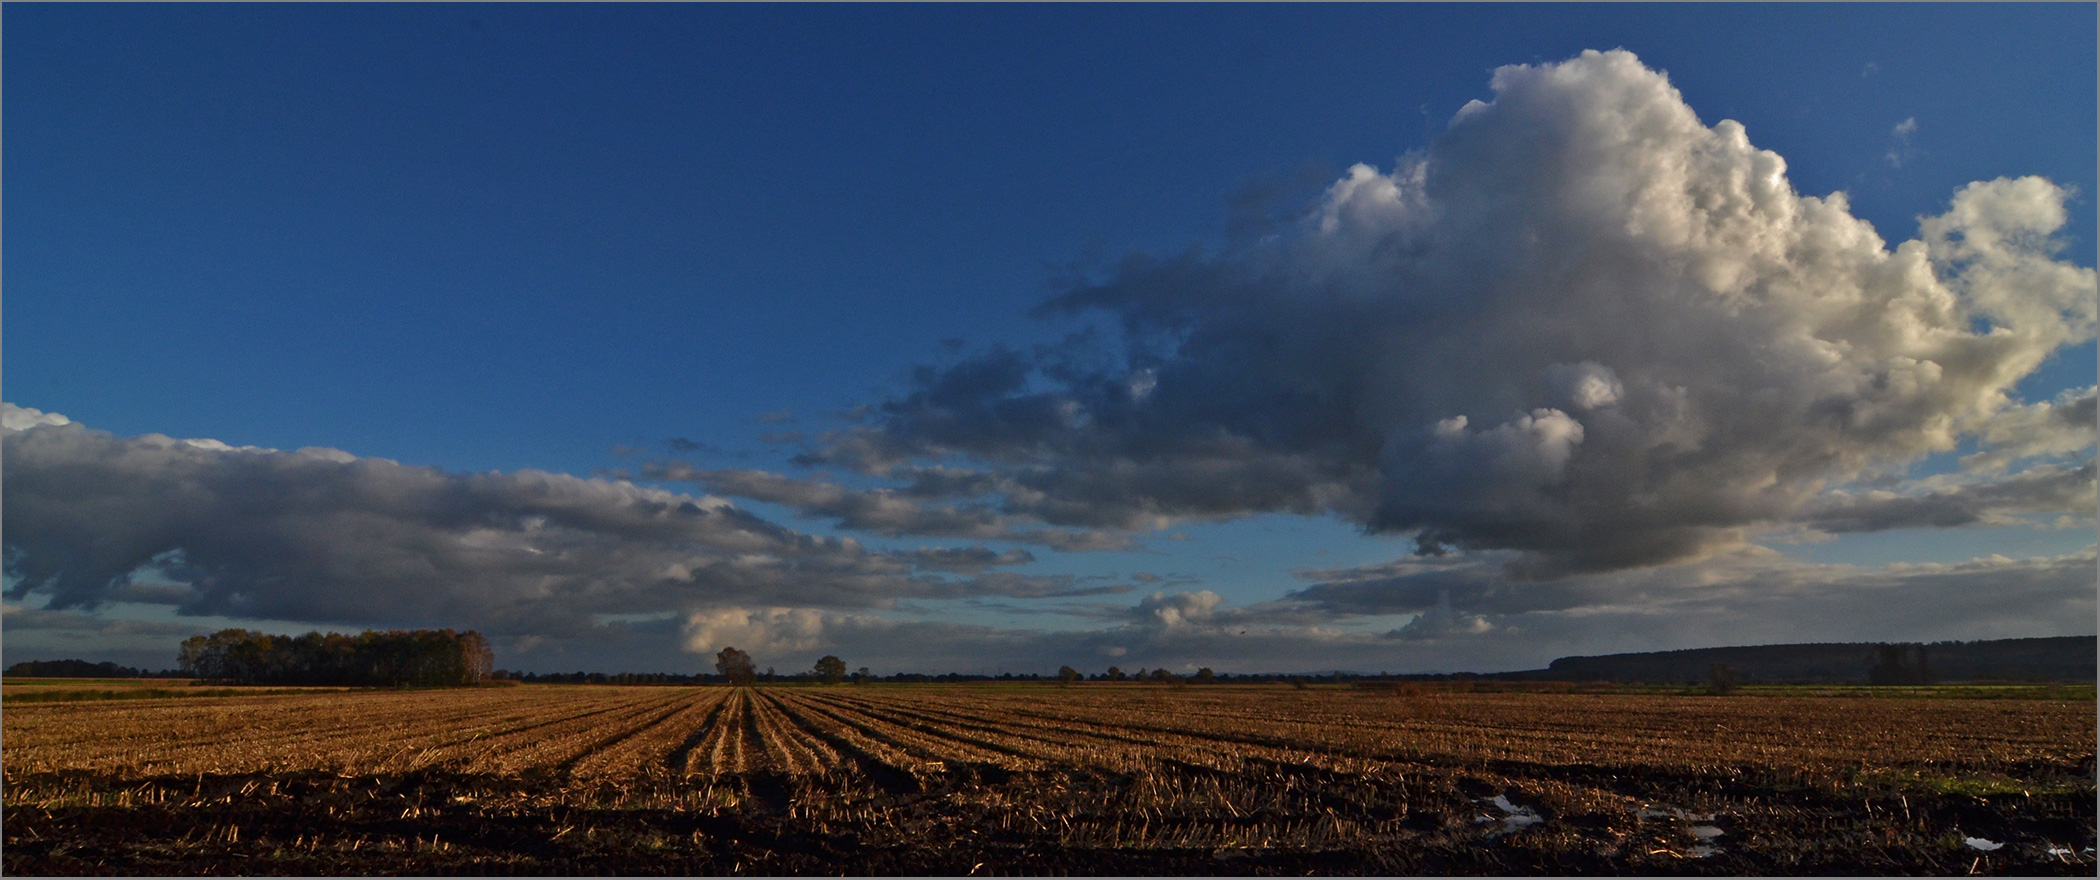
{"x":1411,"y":820}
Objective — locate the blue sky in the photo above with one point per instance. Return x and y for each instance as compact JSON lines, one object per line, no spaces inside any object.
{"x":554,"y":238}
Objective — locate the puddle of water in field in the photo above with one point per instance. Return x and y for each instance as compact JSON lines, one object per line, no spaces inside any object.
{"x":1703,"y":833}
{"x":1514,"y":818}
{"x":1979,"y":843}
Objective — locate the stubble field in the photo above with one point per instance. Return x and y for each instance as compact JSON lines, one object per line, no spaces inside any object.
{"x":1038,"y":779}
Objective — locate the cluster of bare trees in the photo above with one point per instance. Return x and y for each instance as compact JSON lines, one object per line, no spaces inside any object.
{"x":1161,"y":675}
{"x":423,"y":657}
{"x":736,"y":666}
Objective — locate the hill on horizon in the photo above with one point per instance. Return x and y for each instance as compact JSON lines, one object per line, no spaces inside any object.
{"x":2059,"y":658}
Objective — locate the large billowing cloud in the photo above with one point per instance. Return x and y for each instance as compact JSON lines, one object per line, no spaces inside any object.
{"x":1582,"y":326}
{"x":325,"y":536}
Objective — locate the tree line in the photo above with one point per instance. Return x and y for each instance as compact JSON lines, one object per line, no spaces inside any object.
{"x":736,"y":668}
{"x":81,"y":669}
{"x":392,"y":658}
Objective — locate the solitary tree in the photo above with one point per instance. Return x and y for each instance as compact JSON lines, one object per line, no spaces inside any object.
{"x":1115,"y":674}
{"x":1205,"y":676}
{"x":831,"y":670}
{"x":1067,"y":674}
{"x":736,"y":666}
{"x":1722,"y":678}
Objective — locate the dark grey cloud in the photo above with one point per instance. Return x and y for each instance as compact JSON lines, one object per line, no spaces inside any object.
{"x":910,"y":510}
{"x":966,"y":559}
{"x":21,"y":619}
{"x":684,"y":446}
{"x":2044,"y":489}
{"x":325,"y":536}
{"x":1582,"y":327}
{"x":1737,"y":598}
{"x":1417,"y":586}
{"x":1780,"y":601}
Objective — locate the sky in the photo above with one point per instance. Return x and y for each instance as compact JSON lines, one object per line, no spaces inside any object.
{"x":1409,"y":338}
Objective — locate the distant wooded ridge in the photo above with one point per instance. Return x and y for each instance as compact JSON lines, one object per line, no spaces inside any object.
{"x":2063,"y":658}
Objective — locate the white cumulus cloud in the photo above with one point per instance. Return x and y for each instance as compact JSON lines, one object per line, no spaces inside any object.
{"x":760,"y":632}
{"x":22,"y":418}
{"x":1175,"y":609}
{"x":1583,"y":325}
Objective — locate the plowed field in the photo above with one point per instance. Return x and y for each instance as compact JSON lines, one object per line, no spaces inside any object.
{"x":1106,"y":779}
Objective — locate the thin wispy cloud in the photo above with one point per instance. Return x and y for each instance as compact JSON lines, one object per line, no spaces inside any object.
{"x":1900,"y":148}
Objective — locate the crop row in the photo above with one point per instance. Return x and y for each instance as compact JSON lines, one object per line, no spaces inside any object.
{"x":611,"y":732}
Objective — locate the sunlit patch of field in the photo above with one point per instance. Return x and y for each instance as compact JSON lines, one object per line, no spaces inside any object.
{"x":1097,"y":778}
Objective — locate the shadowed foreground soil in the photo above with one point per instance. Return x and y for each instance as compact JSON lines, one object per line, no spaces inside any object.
{"x":1176,"y":819}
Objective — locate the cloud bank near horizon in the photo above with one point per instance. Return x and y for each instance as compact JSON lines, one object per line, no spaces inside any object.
{"x":323,"y":535}
{"x":575,"y":573}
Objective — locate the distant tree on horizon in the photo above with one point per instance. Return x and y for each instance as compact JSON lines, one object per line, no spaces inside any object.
{"x":830,"y":670}
{"x":1066,"y":675}
{"x":736,"y":666}
{"x":1900,"y":664}
{"x":1722,"y":678}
